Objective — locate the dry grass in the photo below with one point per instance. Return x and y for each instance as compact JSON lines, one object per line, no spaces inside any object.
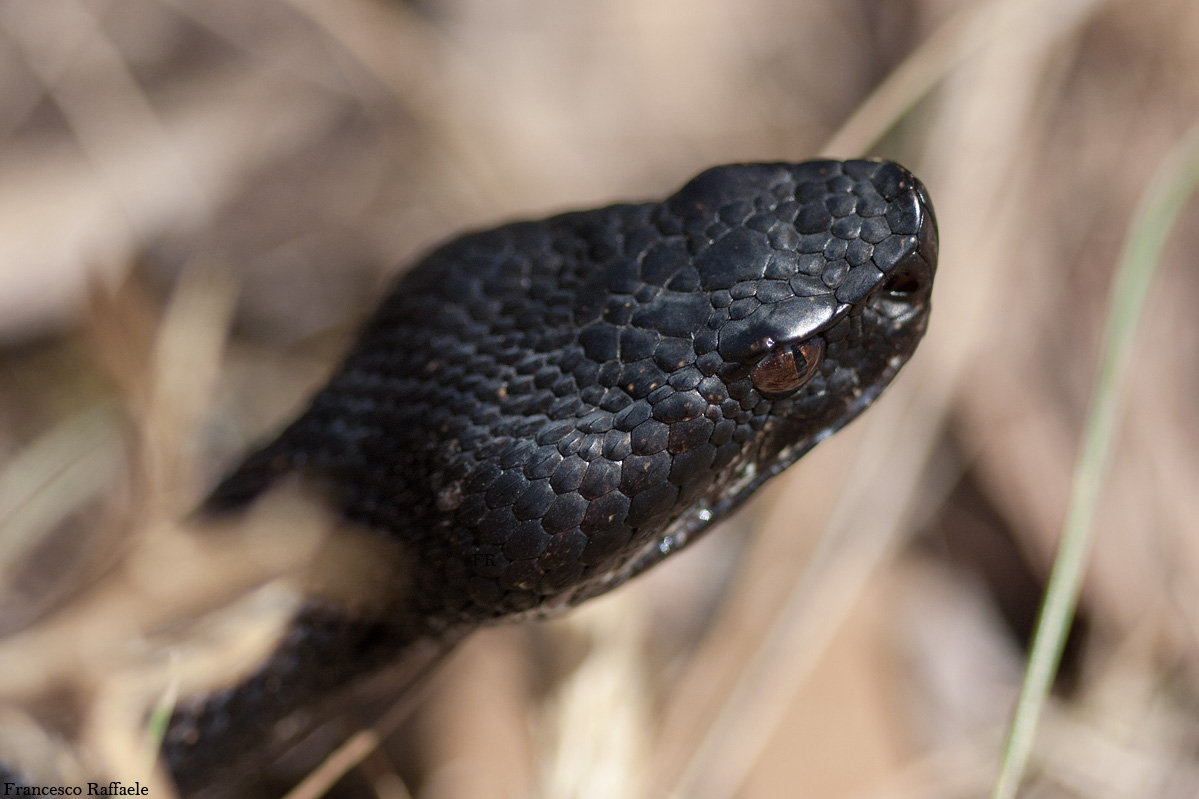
{"x":199,"y":198}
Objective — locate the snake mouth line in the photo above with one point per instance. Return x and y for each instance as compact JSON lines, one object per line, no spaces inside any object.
{"x":696,"y":520}
{"x":692,"y":523}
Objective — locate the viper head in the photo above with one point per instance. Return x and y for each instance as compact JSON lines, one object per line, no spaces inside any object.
{"x":812,"y":282}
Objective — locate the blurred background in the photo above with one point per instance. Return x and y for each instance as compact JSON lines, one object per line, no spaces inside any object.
{"x":200,"y":199}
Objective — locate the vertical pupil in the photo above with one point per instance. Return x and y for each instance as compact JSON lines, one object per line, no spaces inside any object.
{"x":787,"y":368}
{"x":808,"y":356}
{"x":802,"y":361}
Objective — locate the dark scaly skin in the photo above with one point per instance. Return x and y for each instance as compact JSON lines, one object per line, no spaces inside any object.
{"x":540,"y":411}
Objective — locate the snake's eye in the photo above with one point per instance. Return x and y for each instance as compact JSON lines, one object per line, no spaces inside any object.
{"x":785,"y":369}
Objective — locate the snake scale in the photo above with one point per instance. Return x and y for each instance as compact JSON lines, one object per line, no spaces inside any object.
{"x":538,"y":412}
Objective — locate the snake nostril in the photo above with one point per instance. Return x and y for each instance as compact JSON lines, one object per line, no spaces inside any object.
{"x":904,"y":291}
{"x":902,"y":285}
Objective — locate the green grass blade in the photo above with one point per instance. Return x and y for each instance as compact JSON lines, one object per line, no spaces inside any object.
{"x":1172,"y":186}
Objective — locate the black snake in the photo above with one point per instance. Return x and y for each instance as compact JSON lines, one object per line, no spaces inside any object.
{"x":539,"y":412}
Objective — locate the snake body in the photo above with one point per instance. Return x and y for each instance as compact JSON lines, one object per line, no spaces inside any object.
{"x":538,"y":412}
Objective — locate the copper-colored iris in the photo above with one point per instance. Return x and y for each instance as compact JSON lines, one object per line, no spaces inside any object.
{"x":786,"y":368}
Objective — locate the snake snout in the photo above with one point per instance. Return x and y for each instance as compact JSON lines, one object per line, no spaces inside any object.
{"x":905,"y":289}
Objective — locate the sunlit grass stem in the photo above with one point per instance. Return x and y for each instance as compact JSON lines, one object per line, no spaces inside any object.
{"x":1172,"y":186}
